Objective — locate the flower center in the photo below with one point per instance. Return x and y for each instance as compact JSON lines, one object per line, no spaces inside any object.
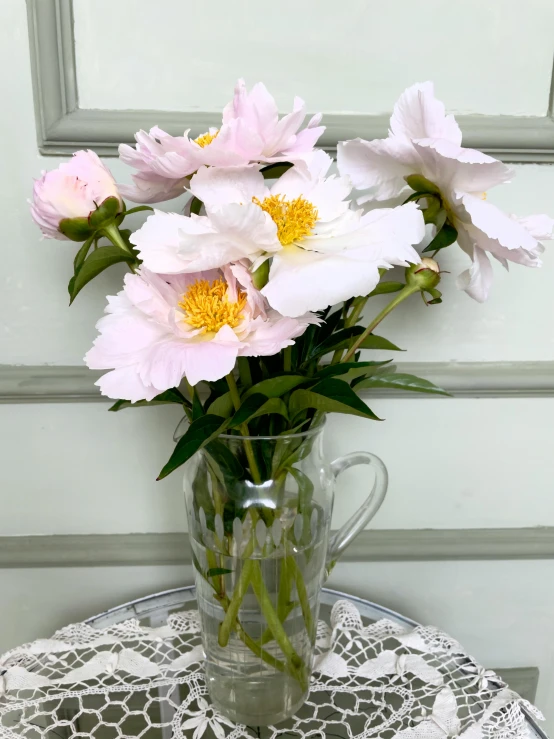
{"x":294,"y":218}
{"x":206,"y":138}
{"x":206,"y":306}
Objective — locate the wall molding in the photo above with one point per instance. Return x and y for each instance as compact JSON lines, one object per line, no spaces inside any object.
{"x":63,"y":127}
{"x":57,"y":384}
{"x":376,"y":545}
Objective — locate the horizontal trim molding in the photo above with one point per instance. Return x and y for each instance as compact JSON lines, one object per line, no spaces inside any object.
{"x":58,"y":384}
{"x":377,"y":545}
{"x":63,"y":127}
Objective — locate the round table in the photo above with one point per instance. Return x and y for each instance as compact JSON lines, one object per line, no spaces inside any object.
{"x":136,"y":671}
{"x":154,"y":610}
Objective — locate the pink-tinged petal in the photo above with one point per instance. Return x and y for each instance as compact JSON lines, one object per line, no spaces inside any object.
{"x":269,"y":336}
{"x":211,"y":360}
{"x":215,"y":187}
{"x":476,"y":281}
{"x":236,"y":144}
{"x":283,"y":134}
{"x":452,"y":167}
{"x":418,"y":114}
{"x":125,"y":384}
{"x":152,"y":188}
{"x":73,"y":190}
{"x":304,"y":142}
{"x":493,"y":222}
{"x":257,"y":108}
{"x":380,"y":165}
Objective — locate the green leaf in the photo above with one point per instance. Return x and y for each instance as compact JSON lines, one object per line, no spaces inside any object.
{"x":330,"y":396}
{"x":137,"y":209}
{"x":421,"y":184}
{"x":168,"y":396}
{"x":226,"y":466}
{"x":275,"y":387}
{"x":76,"y":229}
{"x":215,"y":571}
{"x":416,"y":196}
{"x":386,"y":287}
{"x":197,"y":565}
{"x":354,"y":368}
{"x":260,"y":276}
{"x":436,"y":296}
{"x":196,"y":205}
{"x":94,"y":264}
{"x":222,"y":406}
{"x":105,"y":212}
{"x":339,"y":340}
{"x":431,"y":212}
{"x":199,"y":433}
{"x":274,"y":171}
{"x":258,"y":405}
{"x":401,"y":382}
{"x":305,"y":488}
{"x":446,"y":236}
{"x":378,"y":342}
{"x":82,"y":254}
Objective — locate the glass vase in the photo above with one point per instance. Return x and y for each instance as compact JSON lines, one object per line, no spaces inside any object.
{"x":259,"y":515}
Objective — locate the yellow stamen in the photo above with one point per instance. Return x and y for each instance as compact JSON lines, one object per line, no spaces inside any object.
{"x":206,"y":138}
{"x":207,"y":306}
{"x":294,"y":218}
{"x":483,"y":196}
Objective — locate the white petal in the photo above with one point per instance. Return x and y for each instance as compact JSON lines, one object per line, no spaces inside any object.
{"x":418,"y":114}
{"x":302,"y":281}
{"x":217,"y":186}
{"x":453,"y":167}
{"x":494,"y":223}
{"x":381,"y":165}
{"x":158,"y":240}
{"x":476,"y":281}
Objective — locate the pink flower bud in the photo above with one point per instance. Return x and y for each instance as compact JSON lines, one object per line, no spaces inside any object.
{"x":72,"y":191}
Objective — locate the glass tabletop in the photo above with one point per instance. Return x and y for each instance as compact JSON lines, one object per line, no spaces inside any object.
{"x":153,"y":611}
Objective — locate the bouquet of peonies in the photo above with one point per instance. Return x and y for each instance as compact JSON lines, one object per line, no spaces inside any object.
{"x":257,"y":292}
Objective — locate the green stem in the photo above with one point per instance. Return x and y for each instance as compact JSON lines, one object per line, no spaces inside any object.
{"x":271,"y":616}
{"x":235,"y":397}
{"x":137,"y":209}
{"x":402,"y":295}
{"x":304,"y":601}
{"x":351,"y":320}
{"x":234,"y":604}
{"x":287,"y":359}
{"x":111,"y":232}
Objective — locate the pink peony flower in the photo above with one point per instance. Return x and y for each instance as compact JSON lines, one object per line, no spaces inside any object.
{"x":424,"y":140}
{"x":250,"y":132}
{"x":73,"y":190}
{"x":161,"y":328}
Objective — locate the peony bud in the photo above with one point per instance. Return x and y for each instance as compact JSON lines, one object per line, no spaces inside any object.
{"x":76,"y":199}
{"x":425,"y":275}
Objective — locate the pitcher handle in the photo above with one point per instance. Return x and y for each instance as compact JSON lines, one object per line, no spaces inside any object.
{"x":345,"y":535}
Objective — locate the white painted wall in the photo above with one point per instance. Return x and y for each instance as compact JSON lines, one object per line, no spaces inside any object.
{"x":74,"y":468}
{"x":465,"y":463}
{"x":355,"y":57}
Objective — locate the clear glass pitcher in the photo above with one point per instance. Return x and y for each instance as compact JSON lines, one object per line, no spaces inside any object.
{"x":259,"y":515}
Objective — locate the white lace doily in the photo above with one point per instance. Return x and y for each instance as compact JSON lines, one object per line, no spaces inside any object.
{"x":378,"y":680}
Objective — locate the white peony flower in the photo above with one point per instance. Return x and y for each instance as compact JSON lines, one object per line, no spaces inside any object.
{"x":324,"y":252}
{"x":423,"y":140}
